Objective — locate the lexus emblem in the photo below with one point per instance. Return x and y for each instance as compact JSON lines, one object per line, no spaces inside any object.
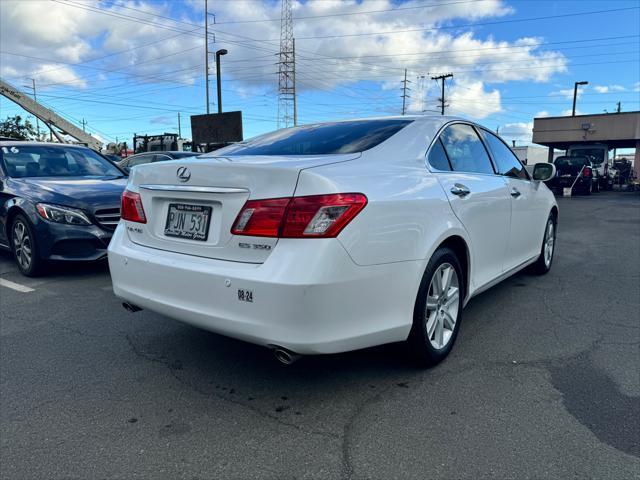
{"x":184,"y":174}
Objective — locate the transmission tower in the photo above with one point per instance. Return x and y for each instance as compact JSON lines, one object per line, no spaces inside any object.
{"x":287,"y":111}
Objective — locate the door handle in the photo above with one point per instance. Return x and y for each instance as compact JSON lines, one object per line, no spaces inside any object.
{"x":460,"y":190}
{"x":515,"y":193}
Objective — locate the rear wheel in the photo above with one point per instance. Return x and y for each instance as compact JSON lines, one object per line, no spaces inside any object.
{"x":543,"y":264}
{"x":24,"y":247}
{"x":438,"y":309}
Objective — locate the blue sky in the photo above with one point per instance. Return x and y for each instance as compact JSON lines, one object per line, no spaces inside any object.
{"x":131,"y":66}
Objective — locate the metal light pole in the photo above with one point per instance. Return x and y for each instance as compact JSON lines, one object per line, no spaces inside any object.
{"x":219,"y":53}
{"x":575,"y":94}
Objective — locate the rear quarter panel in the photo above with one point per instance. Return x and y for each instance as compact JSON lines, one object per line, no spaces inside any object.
{"x":407,"y":215}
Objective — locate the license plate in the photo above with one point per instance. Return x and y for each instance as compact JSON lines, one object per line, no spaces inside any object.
{"x":188,"y":221}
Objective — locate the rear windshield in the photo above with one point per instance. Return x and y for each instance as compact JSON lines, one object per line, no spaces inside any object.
{"x":571,"y":161}
{"x":55,"y":161}
{"x":184,"y":154}
{"x":596,"y":155}
{"x":321,"y":139}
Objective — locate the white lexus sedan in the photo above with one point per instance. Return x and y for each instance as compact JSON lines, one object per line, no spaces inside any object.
{"x":335,"y":236}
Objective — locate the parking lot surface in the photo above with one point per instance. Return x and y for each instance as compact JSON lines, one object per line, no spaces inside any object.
{"x":544,"y":382}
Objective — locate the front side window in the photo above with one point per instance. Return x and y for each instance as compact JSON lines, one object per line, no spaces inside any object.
{"x":320,"y":139}
{"x":465,"y":149}
{"x":506,"y":162}
{"x":54,"y":161}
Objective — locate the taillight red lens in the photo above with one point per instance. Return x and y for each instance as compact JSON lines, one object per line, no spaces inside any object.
{"x":314,"y":216}
{"x":586,"y":172}
{"x":131,"y":207}
{"x":321,"y":215}
{"x":260,"y":218}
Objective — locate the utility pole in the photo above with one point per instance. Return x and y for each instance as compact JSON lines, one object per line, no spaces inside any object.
{"x":442,"y":99}
{"x":179,"y":127}
{"x":619,"y":107}
{"x":287,"y":113}
{"x":206,"y":50}
{"x":575,"y":95}
{"x":404,"y":92}
{"x":84,"y":123}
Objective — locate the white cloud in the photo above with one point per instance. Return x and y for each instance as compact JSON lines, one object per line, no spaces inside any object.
{"x":566,"y":93}
{"x":473,"y":100}
{"x":69,"y":34}
{"x":609,"y":88}
{"x":519,"y":131}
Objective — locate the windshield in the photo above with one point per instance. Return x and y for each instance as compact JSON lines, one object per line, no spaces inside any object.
{"x":320,"y":139}
{"x":597,"y":155}
{"x":21,"y":161}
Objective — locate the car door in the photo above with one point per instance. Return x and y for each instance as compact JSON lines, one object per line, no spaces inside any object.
{"x":479,"y":198}
{"x":528,"y":218}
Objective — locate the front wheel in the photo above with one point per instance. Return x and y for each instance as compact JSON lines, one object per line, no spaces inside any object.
{"x":438,"y":309}
{"x":24,"y":247}
{"x":543,"y":264}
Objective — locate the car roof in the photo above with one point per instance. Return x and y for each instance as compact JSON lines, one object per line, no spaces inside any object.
{"x":15,"y":143}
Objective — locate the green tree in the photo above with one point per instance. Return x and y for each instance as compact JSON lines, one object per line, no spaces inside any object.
{"x":14,"y":127}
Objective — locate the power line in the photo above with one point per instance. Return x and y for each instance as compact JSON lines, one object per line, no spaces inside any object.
{"x":476,"y":24}
{"x":310,"y":17}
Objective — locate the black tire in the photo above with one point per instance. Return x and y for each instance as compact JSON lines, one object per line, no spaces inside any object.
{"x":419,"y":342}
{"x":541,"y":266}
{"x":35,"y":265}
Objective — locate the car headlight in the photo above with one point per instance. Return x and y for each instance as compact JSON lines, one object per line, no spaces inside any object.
{"x":58,"y":214}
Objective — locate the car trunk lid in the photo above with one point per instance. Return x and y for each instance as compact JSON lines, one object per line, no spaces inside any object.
{"x":217,"y":188}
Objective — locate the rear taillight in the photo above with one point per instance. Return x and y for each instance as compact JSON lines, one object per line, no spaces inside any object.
{"x":131,"y":207}
{"x":260,"y":218}
{"x":314,"y":216}
{"x":586,"y":172}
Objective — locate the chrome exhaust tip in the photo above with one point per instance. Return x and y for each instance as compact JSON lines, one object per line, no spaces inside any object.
{"x":285,"y":356}
{"x":130,"y":307}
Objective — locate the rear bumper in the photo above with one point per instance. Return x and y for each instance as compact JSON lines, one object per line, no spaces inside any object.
{"x":309,"y":296}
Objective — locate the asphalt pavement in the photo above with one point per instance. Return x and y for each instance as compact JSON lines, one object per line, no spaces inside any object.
{"x":544,"y":382}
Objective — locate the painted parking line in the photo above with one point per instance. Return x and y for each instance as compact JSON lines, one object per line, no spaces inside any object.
{"x":15,"y":286}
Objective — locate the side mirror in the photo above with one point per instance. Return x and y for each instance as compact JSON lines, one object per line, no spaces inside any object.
{"x":544,"y":171}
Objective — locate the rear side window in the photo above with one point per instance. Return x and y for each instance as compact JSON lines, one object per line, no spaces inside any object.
{"x":438,"y":157}
{"x":465,"y":150}
{"x":139,"y":160}
{"x":505,"y":160}
{"x":320,"y":139}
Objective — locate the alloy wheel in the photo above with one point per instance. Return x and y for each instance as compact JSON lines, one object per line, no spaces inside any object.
{"x":22,"y":245}
{"x":549,"y":243}
{"x":442,"y":305}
